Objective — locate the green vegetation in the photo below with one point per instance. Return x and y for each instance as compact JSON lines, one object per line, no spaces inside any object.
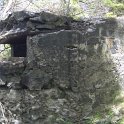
{"x":75,"y":10}
{"x":5,"y":51}
{"x":121,"y":121}
{"x":116,"y":7}
{"x":111,"y":114}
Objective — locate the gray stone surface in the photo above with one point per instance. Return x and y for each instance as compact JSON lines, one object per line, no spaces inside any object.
{"x":11,"y":71}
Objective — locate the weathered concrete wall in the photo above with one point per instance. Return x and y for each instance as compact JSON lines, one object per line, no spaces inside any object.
{"x":68,"y":74}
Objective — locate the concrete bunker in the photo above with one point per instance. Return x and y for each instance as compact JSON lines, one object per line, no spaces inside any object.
{"x":71,"y":70}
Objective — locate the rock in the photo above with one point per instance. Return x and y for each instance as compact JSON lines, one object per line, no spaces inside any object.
{"x":11,"y":67}
{"x":10,"y":72}
{"x":45,"y":17}
{"x":35,"y":79}
{"x":21,"y":15}
{"x":2,"y":83}
{"x":55,"y":54}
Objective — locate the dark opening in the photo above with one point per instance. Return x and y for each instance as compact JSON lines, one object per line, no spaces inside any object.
{"x":18,"y":50}
{"x":19,"y":47}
